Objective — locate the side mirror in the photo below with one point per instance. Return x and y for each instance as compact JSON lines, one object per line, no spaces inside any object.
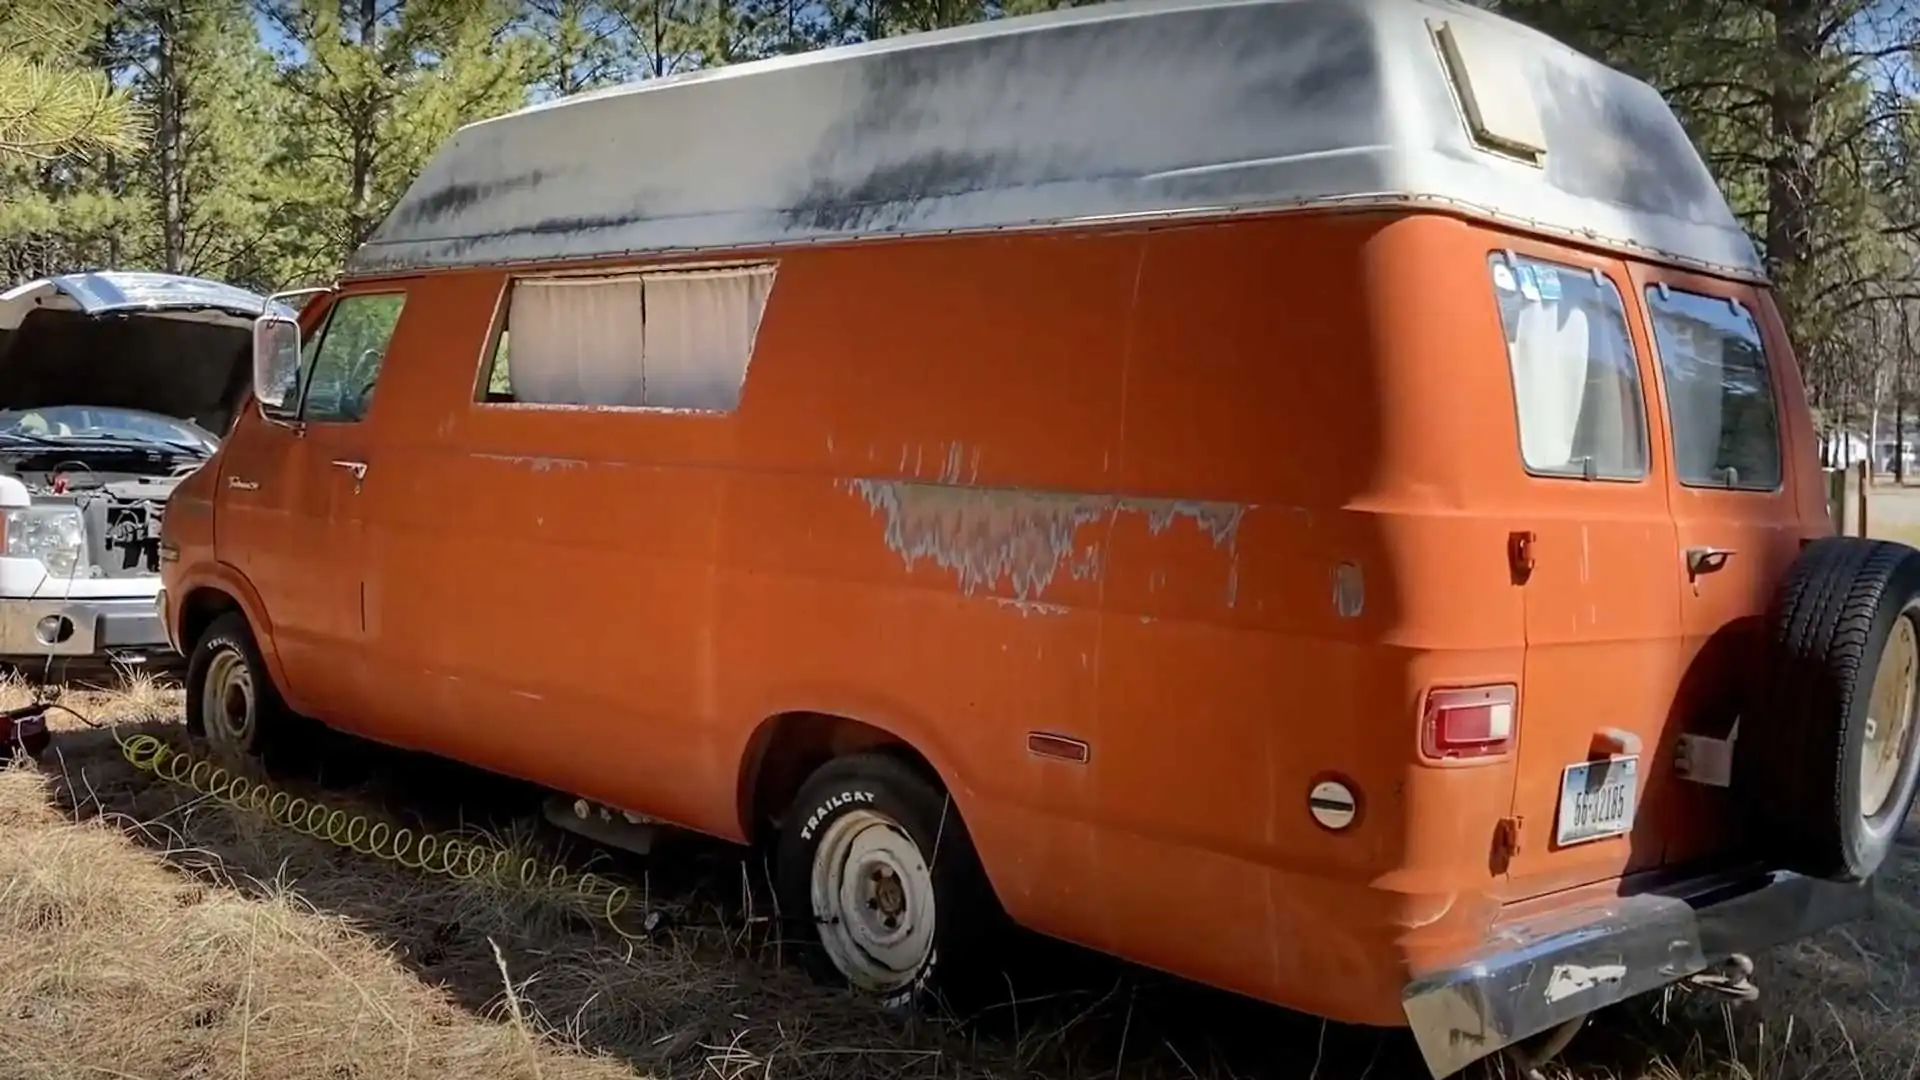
{"x":276,"y":361}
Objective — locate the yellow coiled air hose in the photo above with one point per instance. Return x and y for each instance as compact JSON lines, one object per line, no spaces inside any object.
{"x":463,"y":860}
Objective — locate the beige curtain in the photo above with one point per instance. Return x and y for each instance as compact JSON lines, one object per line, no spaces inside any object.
{"x":664,"y":341}
{"x":700,"y":331}
{"x":1549,"y":357}
{"x":577,"y":341}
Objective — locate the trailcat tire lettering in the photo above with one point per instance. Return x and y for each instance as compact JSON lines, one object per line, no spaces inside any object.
{"x":231,"y":699}
{"x":878,"y":881}
{"x":1825,"y":758}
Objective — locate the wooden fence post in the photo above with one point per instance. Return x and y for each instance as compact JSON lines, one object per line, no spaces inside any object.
{"x":1847,"y":493}
{"x":1866,"y":486}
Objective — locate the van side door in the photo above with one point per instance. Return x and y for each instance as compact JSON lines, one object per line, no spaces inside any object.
{"x":1734,"y":508}
{"x":290,"y":514}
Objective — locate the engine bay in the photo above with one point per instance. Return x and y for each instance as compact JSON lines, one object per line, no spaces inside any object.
{"x":121,"y":495}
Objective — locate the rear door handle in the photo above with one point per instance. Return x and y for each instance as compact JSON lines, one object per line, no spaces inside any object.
{"x":357,"y":468}
{"x":1706,"y":560}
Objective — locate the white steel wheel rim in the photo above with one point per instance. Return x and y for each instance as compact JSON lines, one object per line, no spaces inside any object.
{"x":1890,"y":707}
{"x":227,"y":709}
{"x":873,"y":901}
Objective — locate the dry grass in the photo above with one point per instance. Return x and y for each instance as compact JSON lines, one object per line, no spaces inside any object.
{"x":146,"y":933}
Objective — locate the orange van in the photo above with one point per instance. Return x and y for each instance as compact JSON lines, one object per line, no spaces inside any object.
{"x":1313,"y":496}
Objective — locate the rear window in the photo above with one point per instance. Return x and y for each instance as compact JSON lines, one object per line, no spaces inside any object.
{"x":1576,"y":382}
{"x":1719,"y":394}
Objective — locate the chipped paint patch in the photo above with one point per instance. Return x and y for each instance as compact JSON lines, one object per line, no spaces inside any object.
{"x":1349,"y":590}
{"x":537,"y":464}
{"x":1219,"y":520}
{"x":1566,"y":980}
{"x":985,"y":536}
{"x":1031,"y":607}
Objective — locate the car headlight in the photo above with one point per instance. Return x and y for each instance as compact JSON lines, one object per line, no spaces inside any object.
{"x":56,"y":535}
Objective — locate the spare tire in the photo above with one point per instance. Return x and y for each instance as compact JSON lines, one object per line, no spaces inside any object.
{"x":1826,"y":761}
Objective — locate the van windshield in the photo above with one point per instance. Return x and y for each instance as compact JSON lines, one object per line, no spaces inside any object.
{"x":1576,"y":382}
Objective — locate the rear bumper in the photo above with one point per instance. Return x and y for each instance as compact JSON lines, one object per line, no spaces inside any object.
{"x":1537,"y":974}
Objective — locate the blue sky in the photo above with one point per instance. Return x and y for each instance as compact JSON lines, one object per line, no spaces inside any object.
{"x":1871,"y":32}
{"x":270,"y":34}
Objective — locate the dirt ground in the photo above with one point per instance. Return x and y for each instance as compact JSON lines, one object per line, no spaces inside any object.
{"x":148,"y":931}
{"x":1893,"y":512}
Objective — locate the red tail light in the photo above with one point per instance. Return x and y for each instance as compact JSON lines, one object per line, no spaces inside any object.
{"x":1469,"y":722}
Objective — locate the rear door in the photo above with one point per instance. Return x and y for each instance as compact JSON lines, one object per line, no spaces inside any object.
{"x":1737,"y":520}
{"x":1602,"y":616}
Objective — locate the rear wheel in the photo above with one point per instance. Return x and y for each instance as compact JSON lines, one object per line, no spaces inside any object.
{"x":879,"y":882}
{"x":1827,"y":761}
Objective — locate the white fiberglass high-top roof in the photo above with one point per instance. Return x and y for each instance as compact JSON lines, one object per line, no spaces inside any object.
{"x":1135,"y":110}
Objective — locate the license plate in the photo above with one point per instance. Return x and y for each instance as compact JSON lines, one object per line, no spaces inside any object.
{"x":1596,"y":800}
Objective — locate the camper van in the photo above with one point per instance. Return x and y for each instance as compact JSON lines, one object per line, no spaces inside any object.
{"x":1313,"y":496}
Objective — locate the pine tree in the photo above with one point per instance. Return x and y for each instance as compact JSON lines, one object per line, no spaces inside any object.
{"x":51,"y":104}
{"x":374,"y":88}
{"x":580,"y":45}
{"x":199,"y":68}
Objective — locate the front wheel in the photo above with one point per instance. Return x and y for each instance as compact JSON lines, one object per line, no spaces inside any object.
{"x":879,"y":882}
{"x":232,"y":703}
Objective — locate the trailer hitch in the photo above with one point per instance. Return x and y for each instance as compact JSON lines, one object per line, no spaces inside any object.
{"x":1731,"y":978}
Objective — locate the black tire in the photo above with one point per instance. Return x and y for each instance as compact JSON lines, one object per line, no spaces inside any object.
{"x":1798,"y":760}
{"x":271,"y":730}
{"x":966,"y":915}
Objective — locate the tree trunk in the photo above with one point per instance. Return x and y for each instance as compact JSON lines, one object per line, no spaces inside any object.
{"x":1901,"y":358}
{"x":1790,"y":188}
{"x":1873,"y":429}
{"x":1899,"y":436}
{"x":364,"y":129}
{"x":168,"y":117}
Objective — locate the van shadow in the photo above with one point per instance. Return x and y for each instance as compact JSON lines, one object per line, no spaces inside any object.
{"x":711,"y":980}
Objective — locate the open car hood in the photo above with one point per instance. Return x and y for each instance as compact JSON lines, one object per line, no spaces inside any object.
{"x":174,"y":344}
{"x":112,"y":291}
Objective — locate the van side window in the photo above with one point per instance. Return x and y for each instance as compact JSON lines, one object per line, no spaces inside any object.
{"x":1719,"y":393}
{"x":664,"y":340}
{"x":1576,"y":381}
{"x":346,"y":364}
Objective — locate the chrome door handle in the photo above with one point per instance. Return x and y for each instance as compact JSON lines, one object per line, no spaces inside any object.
{"x":1706,"y":560}
{"x":357,"y":468}
{"x":243,"y":485}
